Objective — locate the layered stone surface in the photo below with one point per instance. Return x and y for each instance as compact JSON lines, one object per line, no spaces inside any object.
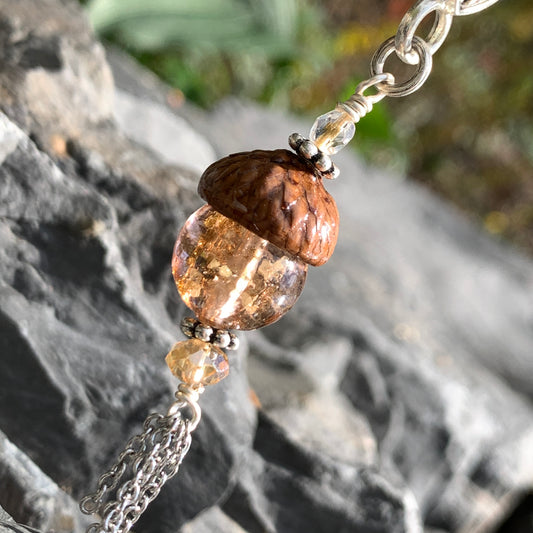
{"x":230,"y":277}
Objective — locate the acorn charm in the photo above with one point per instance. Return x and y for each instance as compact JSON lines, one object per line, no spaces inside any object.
{"x":277,"y":196}
{"x":241,"y":261}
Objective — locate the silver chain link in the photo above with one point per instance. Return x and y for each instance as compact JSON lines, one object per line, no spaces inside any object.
{"x":152,"y":458}
{"x":411,"y":49}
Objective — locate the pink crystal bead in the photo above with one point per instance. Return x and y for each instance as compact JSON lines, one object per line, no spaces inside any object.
{"x":230,"y":277}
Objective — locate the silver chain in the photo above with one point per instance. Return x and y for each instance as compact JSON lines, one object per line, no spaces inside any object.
{"x":411,"y":49}
{"x":152,"y":458}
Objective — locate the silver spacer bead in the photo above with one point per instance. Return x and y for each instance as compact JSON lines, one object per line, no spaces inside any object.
{"x":295,"y":139}
{"x":323,"y":163}
{"x":222,"y":338}
{"x":234,"y":342}
{"x":203,"y":332}
{"x":333,"y":174}
{"x":187,"y":326}
{"x":308,"y":149}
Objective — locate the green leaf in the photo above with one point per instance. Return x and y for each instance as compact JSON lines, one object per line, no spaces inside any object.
{"x":225,"y":25}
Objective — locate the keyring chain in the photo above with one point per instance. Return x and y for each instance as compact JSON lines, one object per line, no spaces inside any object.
{"x":334,"y":130}
{"x":240,"y":261}
{"x":412,"y":49}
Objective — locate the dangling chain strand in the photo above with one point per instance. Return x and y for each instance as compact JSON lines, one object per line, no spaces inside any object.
{"x":153,"y":457}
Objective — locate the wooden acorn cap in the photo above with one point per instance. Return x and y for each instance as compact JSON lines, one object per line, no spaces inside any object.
{"x":277,"y":196}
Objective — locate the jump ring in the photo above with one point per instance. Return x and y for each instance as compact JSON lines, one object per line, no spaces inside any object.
{"x":425,"y":62}
{"x":410,"y":23}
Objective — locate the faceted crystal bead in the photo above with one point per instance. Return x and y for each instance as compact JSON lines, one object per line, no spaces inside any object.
{"x":231,"y":278}
{"x":197,"y":362}
{"x":332,"y":131}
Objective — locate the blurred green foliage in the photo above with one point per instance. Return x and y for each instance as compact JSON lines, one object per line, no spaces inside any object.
{"x":468,"y":133}
{"x":225,"y":25}
{"x":213,"y":48}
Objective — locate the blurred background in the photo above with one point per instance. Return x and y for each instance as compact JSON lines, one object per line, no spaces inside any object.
{"x":467,"y":134}
{"x":404,"y":380}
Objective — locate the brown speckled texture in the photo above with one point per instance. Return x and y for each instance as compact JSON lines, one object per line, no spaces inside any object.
{"x":277,"y":196}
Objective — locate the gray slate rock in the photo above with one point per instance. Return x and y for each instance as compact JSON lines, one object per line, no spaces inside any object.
{"x":8,"y":525}
{"x":87,"y":227}
{"x":32,"y":496}
{"x":395,"y":397}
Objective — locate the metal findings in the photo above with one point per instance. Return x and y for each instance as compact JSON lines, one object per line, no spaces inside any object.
{"x":309,"y":151}
{"x":469,"y":7}
{"x":221,"y":338}
{"x":332,"y":131}
{"x":403,"y":40}
{"x":281,"y":204}
{"x":146,"y":463}
{"x":360,"y":104}
{"x":424,"y":64}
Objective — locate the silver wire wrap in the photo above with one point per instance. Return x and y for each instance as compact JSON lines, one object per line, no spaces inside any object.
{"x":151,"y":458}
{"x":359,"y":104}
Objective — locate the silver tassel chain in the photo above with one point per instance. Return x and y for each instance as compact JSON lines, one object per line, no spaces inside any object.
{"x":151,"y":458}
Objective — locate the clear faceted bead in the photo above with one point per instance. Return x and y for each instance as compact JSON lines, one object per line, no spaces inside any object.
{"x":196,"y":362}
{"x":231,"y":278}
{"x":332,"y":131}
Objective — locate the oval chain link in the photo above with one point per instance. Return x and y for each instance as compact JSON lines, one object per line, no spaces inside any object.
{"x":410,"y":23}
{"x":423,"y":66}
{"x":412,"y":49}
